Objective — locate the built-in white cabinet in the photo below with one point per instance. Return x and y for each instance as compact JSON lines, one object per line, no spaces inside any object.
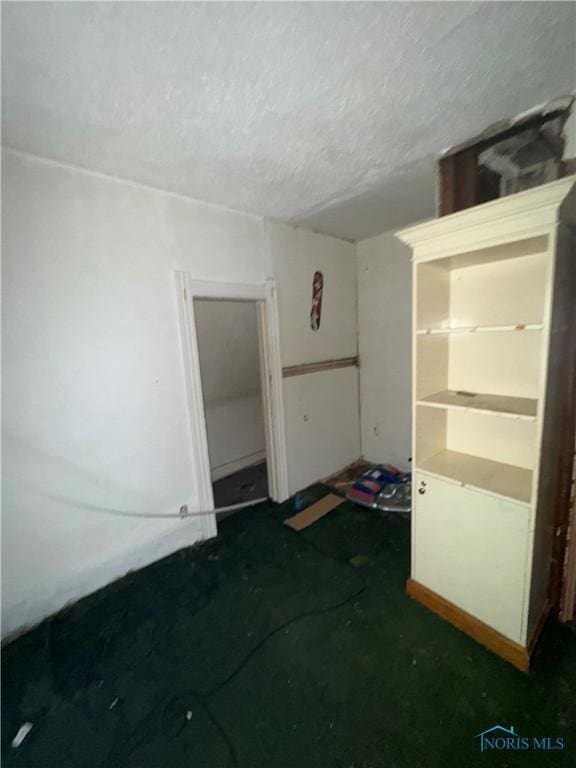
{"x":493,"y":318}
{"x":450,"y":517}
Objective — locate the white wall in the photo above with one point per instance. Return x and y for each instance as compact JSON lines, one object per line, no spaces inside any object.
{"x":322,"y":428}
{"x":227,"y":333}
{"x":384,"y":321}
{"x":321,"y":408}
{"x":296,"y":255}
{"x":94,"y":402}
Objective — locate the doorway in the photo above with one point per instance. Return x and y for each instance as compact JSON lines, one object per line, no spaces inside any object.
{"x":264,"y":295}
{"x":227,"y":333}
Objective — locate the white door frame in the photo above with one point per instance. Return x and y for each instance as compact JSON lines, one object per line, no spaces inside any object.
{"x":188,"y":289}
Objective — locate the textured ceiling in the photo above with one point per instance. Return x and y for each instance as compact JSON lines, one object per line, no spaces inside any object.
{"x":325,"y":114}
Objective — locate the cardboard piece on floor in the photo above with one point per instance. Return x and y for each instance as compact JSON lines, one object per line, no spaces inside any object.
{"x":314,"y":512}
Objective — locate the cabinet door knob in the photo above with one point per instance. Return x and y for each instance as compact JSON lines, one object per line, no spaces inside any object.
{"x":421,"y":491}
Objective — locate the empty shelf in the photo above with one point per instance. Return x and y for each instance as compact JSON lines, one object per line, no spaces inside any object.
{"x":519,"y":407}
{"x":482,"y":328}
{"x":492,"y":476}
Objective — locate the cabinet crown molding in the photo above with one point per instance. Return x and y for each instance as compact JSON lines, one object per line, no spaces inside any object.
{"x":524,"y":214}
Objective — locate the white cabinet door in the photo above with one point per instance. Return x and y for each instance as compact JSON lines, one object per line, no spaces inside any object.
{"x":470,"y":548}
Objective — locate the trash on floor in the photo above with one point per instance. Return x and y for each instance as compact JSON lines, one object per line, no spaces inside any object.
{"x":314,"y":512}
{"x":23,"y":731}
{"x":348,"y":476}
{"x":303,"y":500}
{"x":357,"y":561}
{"x":383,"y":487}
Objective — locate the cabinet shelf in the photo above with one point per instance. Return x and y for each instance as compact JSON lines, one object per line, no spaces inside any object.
{"x":494,"y":477}
{"x":517,"y":327}
{"x":501,"y":405}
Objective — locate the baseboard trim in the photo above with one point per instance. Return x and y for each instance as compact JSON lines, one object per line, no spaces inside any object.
{"x":514,"y":653}
{"x":230,"y":467}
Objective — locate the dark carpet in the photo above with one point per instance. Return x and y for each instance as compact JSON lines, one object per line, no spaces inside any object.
{"x":267,"y":648}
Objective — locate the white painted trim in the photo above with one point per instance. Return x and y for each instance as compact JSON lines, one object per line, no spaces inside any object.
{"x":189,"y":289}
{"x":540,"y":421}
{"x":275,"y":392}
{"x":207,"y":289}
{"x":201,"y":465}
{"x":269,"y":444}
{"x":415,"y":457}
{"x":534,"y":210}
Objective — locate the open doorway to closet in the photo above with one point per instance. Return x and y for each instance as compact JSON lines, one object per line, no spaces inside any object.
{"x":229,"y":346}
